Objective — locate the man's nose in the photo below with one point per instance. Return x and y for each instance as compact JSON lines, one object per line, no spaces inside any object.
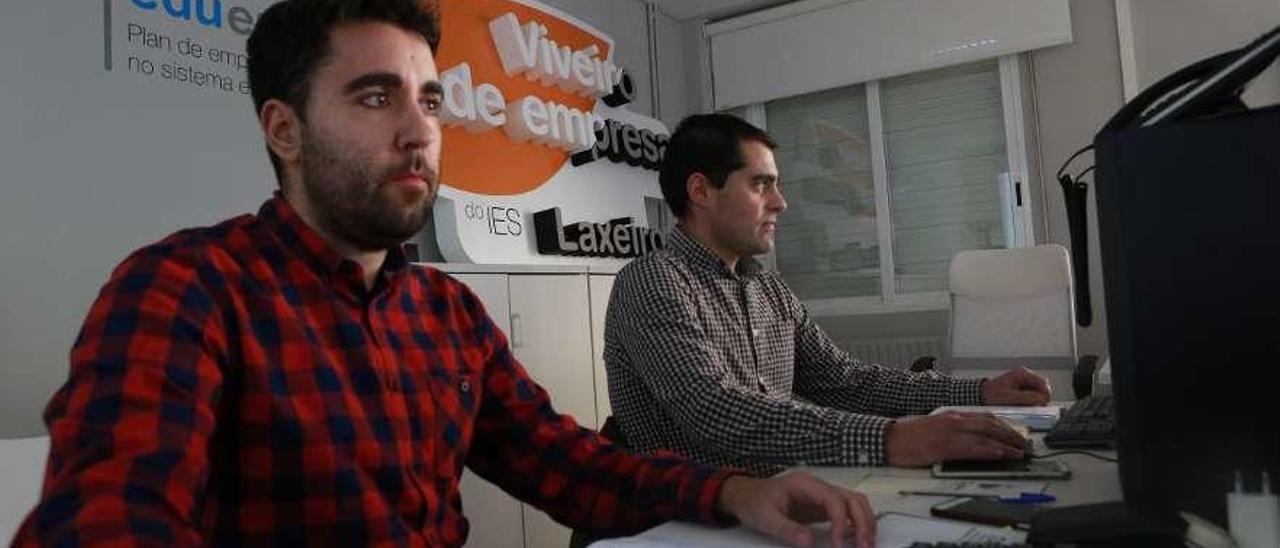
{"x":418,"y":128}
{"x":777,"y":203}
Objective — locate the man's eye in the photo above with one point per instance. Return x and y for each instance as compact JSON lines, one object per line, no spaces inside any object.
{"x":431,"y":104}
{"x":375,"y":100}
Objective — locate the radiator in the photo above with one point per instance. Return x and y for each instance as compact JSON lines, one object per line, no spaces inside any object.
{"x":896,"y":352}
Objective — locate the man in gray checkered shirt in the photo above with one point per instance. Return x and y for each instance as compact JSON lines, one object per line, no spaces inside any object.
{"x":715,"y":358}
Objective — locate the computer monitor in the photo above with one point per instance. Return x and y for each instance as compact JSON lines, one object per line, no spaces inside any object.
{"x":1189,"y":227}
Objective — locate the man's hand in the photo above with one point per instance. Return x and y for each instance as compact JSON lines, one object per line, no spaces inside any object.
{"x":1020,"y":386}
{"x":922,"y":441}
{"x":779,"y":506}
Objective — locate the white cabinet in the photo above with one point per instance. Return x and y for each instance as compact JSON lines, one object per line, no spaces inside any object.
{"x":492,"y":291}
{"x":551,"y":336}
{"x":496,"y":518}
{"x":600,"y":288}
{"x":554,"y":321}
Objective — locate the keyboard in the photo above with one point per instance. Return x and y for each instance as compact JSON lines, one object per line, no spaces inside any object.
{"x":1090,"y":422}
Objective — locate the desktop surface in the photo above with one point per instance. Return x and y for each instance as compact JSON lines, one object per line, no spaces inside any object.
{"x":1092,"y":481}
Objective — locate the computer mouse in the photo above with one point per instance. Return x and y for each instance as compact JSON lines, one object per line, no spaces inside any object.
{"x":1021,"y":429}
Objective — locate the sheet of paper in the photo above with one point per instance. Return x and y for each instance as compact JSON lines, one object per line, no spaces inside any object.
{"x":901,"y":530}
{"x":893,"y":530}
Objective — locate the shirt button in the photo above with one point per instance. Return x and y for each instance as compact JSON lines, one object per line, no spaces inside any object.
{"x":464,"y":386}
{"x":760,"y":379}
{"x":755,"y":332}
{"x":862,"y":460}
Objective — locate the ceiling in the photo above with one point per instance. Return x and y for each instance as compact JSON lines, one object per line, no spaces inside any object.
{"x":711,"y":9}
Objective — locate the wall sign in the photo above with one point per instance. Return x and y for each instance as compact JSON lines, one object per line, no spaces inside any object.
{"x":536,"y":119}
{"x":616,"y":238}
{"x":625,"y":143}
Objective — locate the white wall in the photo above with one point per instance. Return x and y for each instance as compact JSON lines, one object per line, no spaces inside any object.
{"x":1076,"y":88}
{"x":96,"y":163}
{"x":673,"y":59}
{"x":697,"y":66}
{"x":93,"y":164}
{"x":1170,"y":34}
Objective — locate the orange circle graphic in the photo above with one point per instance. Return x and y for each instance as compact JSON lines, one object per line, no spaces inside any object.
{"x":489,"y":162}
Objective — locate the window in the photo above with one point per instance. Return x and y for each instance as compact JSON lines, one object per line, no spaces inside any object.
{"x":885,"y":181}
{"x":828,"y":243}
{"x":945,"y":148}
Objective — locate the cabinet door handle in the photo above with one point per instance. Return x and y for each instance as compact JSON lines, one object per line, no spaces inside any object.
{"x":515,"y":330}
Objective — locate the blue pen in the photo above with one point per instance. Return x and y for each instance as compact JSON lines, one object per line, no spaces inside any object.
{"x":1029,"y":498}
{"x":1022,"y":498}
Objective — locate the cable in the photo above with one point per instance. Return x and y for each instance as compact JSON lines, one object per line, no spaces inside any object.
{"x":1085,"y":453}
{"x":1062,"y":170}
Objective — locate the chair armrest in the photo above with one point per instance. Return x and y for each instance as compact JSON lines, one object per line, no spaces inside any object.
{"x":924,"y":363}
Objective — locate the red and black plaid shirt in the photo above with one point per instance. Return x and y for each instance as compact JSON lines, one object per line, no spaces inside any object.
{"x":238,"y":385}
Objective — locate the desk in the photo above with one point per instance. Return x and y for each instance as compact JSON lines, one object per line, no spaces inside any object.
{"x":1092,"y":480}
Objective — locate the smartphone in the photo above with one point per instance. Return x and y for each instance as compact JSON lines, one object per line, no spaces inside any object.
{"x":988,"y":511}
{"x":1015,"y":468}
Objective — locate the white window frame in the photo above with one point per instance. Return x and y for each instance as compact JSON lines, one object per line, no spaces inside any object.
{"x":1012,"y":83}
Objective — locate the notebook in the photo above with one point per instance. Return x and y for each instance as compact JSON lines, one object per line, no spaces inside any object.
{"x":1037,"y":419}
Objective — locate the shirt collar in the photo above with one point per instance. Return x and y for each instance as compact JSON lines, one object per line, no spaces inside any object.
{"x":299,"y":238}
{"x":689,"y":248}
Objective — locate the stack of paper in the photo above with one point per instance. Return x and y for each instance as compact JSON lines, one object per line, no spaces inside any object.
{"x":903,"y":530}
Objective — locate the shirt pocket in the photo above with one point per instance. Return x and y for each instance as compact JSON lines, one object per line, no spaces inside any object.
{"x":774,"y":340}
{"x":456,"y":398}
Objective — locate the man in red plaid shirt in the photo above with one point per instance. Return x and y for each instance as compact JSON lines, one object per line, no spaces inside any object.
{"x":287,"y":378}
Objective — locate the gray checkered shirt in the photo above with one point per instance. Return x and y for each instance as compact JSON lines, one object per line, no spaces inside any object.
{"x":727,"y":368}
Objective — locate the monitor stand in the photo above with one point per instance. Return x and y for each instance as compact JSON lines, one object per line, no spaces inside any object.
{"x":1105,"y":524}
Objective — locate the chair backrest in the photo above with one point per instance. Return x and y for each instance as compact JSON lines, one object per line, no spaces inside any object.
{"x":1012,"y":303}
{"x":21,"y":474}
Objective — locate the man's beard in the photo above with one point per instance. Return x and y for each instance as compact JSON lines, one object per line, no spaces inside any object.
{"x":740,"y":242}
{"x":344,"y":191}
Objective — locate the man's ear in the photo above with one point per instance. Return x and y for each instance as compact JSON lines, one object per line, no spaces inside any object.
{"x":283,"y":130}
{"x":699,"y":189}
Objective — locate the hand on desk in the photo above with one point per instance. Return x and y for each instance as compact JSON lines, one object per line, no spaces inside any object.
{"x":922,"y":441}
{"x":778,"y":506}
{"x":1019,"y":386}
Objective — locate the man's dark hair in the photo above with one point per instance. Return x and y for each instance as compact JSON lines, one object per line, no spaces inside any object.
{"x":291,"y":39}
{"x":710,"y":144}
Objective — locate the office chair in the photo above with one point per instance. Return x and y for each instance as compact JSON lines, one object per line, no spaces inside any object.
{"x":1013,"y":307}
